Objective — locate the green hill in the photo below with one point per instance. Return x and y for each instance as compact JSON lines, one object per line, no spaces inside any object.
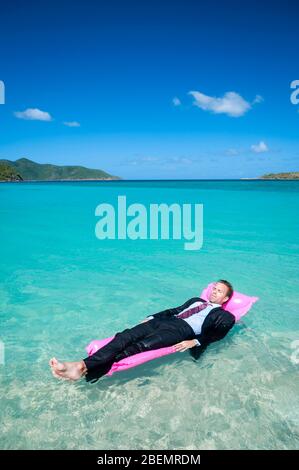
{"x":294,"y":175}
{"x":8,"y":173}
{"x":29,"y":170}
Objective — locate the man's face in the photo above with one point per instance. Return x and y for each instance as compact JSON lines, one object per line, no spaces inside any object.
{"x":219,"y":293}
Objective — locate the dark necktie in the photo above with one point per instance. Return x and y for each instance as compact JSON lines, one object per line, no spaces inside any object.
{"x":193,"y":310}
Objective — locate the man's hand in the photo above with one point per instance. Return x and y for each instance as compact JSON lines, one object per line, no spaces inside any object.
{"x":184,"y":345}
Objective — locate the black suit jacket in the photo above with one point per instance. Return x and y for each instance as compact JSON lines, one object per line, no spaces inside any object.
{"x":216,"y":325}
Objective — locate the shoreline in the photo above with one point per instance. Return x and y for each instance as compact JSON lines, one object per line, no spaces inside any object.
{"x":61,"y":180}
{"x":119,"y":180}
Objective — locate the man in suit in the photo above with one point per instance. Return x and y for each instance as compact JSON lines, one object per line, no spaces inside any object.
{"x":193,"y":325}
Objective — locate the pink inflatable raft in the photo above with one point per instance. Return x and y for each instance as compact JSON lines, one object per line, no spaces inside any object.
{"x":239,"y":304}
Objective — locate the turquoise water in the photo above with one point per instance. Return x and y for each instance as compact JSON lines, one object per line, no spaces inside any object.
{"x":60,"y":287}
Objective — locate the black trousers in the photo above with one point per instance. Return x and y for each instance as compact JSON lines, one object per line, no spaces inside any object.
{"x":153,"y":334}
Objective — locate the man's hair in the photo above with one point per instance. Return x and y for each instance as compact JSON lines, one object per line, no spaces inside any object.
{"x":230,"y":289}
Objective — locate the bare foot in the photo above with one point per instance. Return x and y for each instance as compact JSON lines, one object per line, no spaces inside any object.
{"x":67,"y":370}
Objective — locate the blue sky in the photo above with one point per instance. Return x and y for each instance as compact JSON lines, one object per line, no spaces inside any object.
{"x":151,"y":89}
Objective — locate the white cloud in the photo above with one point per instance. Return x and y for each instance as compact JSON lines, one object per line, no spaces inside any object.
{"x":33,"y":114}
{"x":180,"y":160}
{"x":260,"y":147}
{"x":2,"y":92}
{"x":232,"y":152}
{"x":230,"y":103}
{"x":162,"y":161}
{"x":258,"y":99}
{"x":176,"y":101}
{"x":143,"y":160}
{"x":72,"y":123}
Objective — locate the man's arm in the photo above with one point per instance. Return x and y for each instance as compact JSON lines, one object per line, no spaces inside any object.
{"x":184,"y":345}
{"x":197,"y":351}
{"x":214,"y":332}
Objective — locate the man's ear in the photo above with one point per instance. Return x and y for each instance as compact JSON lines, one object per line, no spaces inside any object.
{"x":226,"y":299}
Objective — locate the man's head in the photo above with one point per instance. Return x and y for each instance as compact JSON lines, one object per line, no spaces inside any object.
{"x":221,"y":292}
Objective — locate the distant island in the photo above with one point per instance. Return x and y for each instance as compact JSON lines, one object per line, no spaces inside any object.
{"x":27,"y":170}
{"x":8,"y":173}
{"x":294,"y":175}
